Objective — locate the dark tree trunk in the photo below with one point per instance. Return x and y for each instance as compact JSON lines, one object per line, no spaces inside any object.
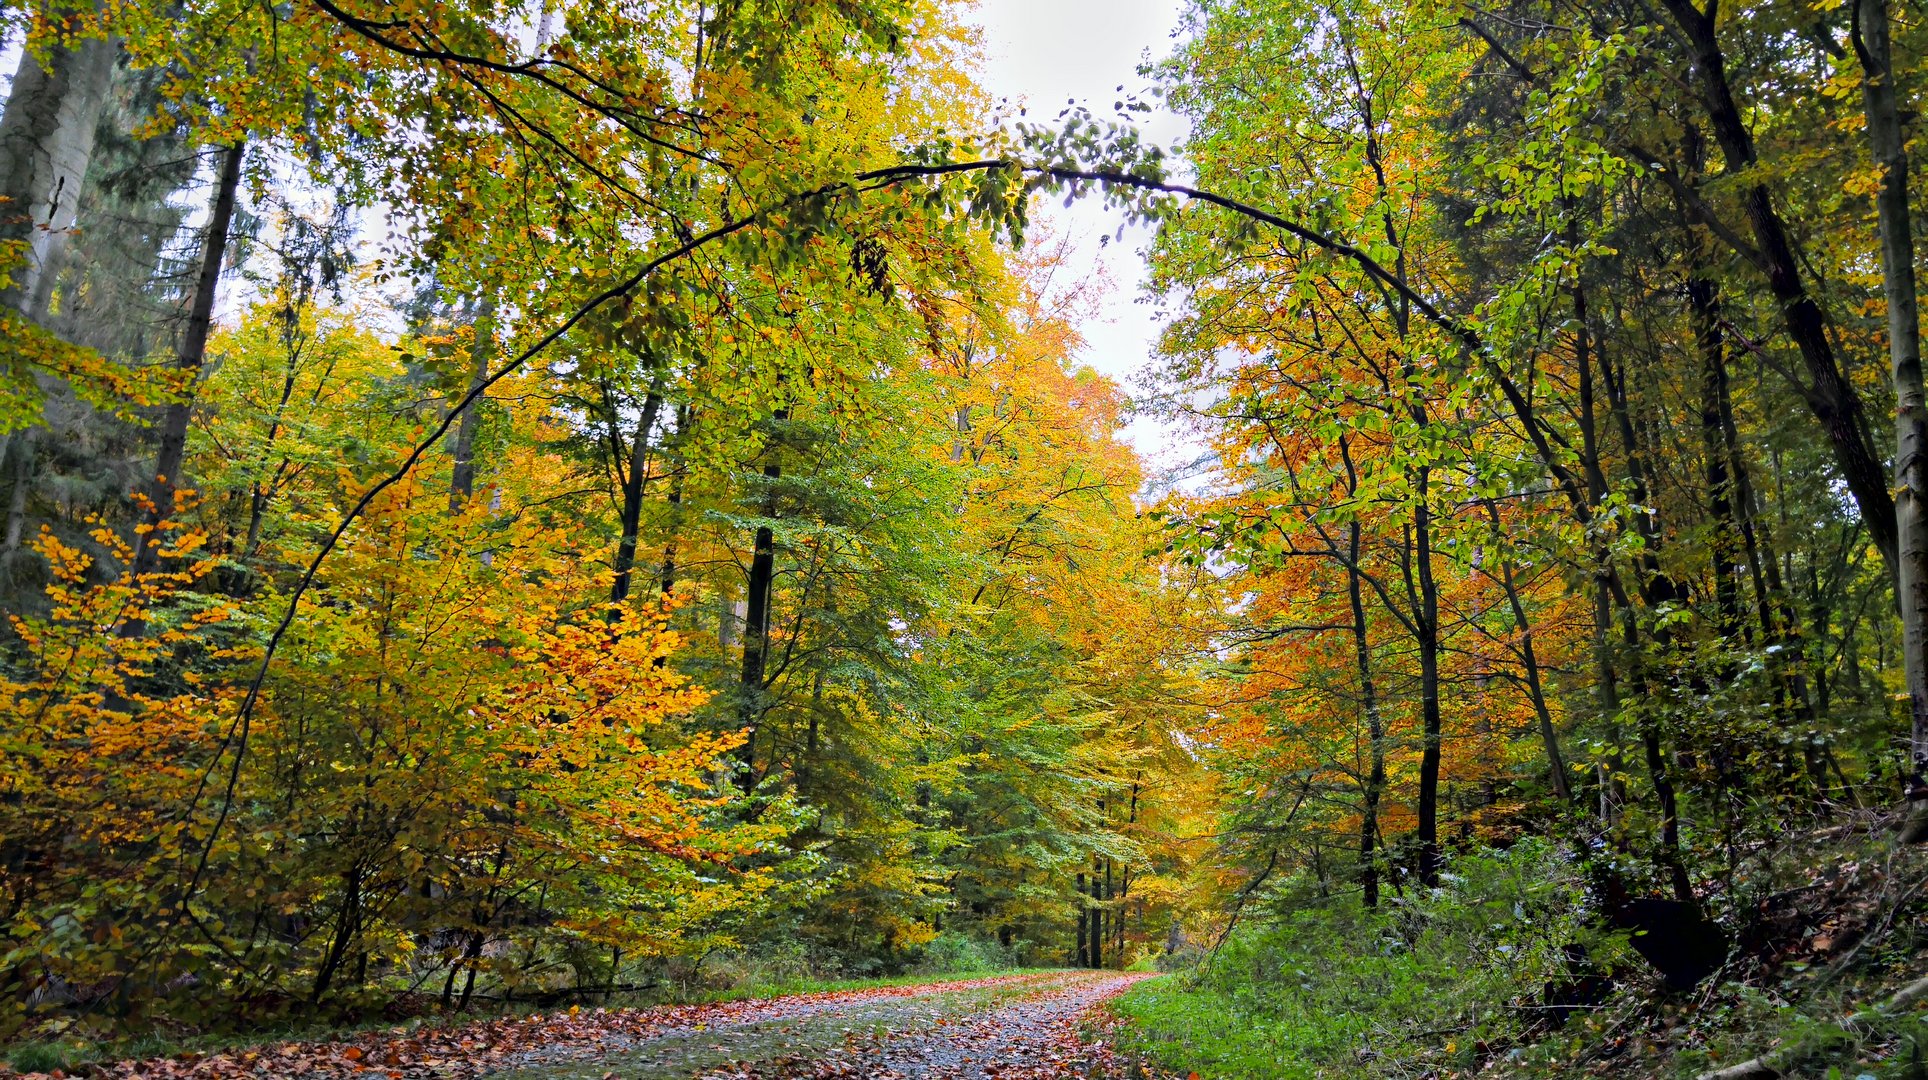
{"x":635,"y":483}
{"x":462,"y":478}
{"x":1375,"y":784}
{"x":1426,"y":621}
{"x":347,"y":927}
{"x":1703,"y":308}
{"x":193,"y":352}
{"x":1084,"y":950}
{"x":756,"y":623}
{"x":1530,"y":663}
{"x":1094,"y":919}
{"x":1830,"y":396}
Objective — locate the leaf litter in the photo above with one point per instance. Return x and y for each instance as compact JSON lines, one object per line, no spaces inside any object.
{"x":1013,"y":1027}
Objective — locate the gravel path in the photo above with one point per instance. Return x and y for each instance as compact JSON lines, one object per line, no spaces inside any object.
{"x":1013,"y":1028}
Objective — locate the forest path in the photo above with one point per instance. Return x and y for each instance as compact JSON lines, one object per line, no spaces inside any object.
{"x":1008,"y":1028}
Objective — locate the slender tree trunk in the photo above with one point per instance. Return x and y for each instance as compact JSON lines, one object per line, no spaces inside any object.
{"x":1368,"y":702}
{"x":46,"y":142}
{"x":1830,"y":396}
{"x":1606,"y":678}
{"x":1427,"y":623}
{"x":1732,"y":502}
{"x":635,"y":482}
{"x":756,"y":628}
{"x":194,"y":342}
{"x":1658,"y":773}
{"x":347,"y":927}
{"x":1704,"y":312}
{"x":676,"y":478}
{"x":261,"y":490}
{"x":802,"y":772}
{"x":481,"y":352}
{"x":1888,"y":144}
{"x":1530,"y":661}
{"x":24,"y":449}
{"x":1084,"y":951}
{"x":1094,"y":919}
{"x":1124,"y":885}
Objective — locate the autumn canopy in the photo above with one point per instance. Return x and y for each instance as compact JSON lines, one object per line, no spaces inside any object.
{"x":513,"y":503}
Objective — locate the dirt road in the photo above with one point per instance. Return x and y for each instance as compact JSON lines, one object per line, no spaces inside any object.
{"x":1012,"y":1028}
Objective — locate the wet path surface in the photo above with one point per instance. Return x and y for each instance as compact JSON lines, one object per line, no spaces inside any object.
{"x":1008,"y":1028}
{"x":1012,"y":1027}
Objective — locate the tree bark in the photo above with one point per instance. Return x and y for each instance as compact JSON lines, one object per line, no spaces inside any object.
{"x":1368,"y":702}
{"x":193,"y":352}
{"x":24,"y":450}
{"x":756,"y":621}
{"x":1427,"y":622}
{"x":46,"y":143}
{"x":1530,"y":661}
{"x":481,"y":350}
{"x":683,"y":417}
{"x":635,"y":483}
{"x":1887,"y":142}
{"x":1830,"y":396}
{"x":1093,"y":917}
{"x":1704,"y":312}
{"x":1084,"y":951}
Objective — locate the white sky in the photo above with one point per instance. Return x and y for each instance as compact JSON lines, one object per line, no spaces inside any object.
{"x":1042,"y":52}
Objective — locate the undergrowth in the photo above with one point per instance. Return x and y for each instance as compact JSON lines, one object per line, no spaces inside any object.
{"x":1454,"y":981}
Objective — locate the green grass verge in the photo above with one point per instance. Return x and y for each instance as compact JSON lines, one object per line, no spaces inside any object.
{"x":1186,"y":1029}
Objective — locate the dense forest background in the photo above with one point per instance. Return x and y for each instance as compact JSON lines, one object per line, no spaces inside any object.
{"x":513,"y":503}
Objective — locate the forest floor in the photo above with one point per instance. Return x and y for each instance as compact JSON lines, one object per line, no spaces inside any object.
{"x":1016,"y":1027}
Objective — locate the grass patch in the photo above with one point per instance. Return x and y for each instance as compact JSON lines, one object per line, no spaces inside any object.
{"x":1429,"y":981}
{"x":1184,"y":1030}
{"x":1450,"y":981}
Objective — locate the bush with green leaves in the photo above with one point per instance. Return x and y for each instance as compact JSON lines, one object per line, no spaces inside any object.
{"x":955,"y":953}
{"x":1324,"y":985}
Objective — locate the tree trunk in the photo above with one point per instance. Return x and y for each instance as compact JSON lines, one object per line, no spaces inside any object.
{"x":46,"y":143}
{"x":635,"y":482}
{"x":1084,"y":952}
{"x":1704,"y":312}
{"x":24,"y":450}
{"x":1530,"y":661}
{"x":1094,"y":916}
{"x":683,"y":417}
{"x":194,"y":342}
{"x":347,"y":928}
{"x":462,"y":478}
{"x":1427,"y":623}
{"x":756,"y":621}
{"x":1830,"y":396}
{"x":1368,"y":702}
{"x":1886,"y":140}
